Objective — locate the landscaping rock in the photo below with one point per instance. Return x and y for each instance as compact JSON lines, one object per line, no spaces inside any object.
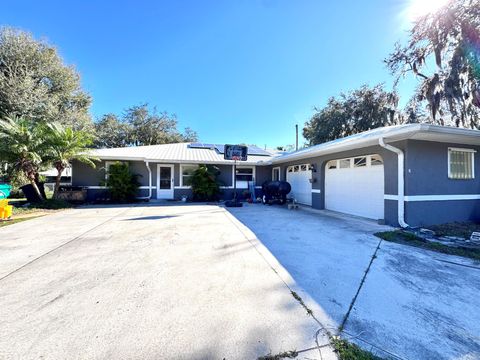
{"x":475,"y":237}
{"x":455,"y":238}
{"x":427,"y":232}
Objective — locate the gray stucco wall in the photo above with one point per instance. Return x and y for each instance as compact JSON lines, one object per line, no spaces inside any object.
{"x":423,"y":213}
{"x":427,"y":170}
{"x":83,"y":175}
{"x":263,"y":173}
{"x":427,"y":174}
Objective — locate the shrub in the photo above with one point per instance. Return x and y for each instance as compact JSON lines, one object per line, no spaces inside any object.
{"x":205,"y":186}
{"x":51,"y":204}
{"x":122,"y":185}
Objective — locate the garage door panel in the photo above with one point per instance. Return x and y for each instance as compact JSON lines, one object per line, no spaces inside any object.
{"x":356,"y":190}
{"x":301,"y":186}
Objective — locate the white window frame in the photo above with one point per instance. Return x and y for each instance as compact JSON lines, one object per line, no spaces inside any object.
{"x":279,"y":173}
{"x":472,"y":153}
{"x":351,"y":162}
{"x":181,"y":175}
{"x":370,"y":160}
{"x":355,"y":165}
{"x":298,"y":168}
{"x":254,"y":173}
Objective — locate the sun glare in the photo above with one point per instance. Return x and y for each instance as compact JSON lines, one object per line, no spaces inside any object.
{"x":419,"y":8}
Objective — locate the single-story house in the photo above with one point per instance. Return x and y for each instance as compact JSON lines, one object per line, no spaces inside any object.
{"x":407,"y":175}
{"x":51,"y":177}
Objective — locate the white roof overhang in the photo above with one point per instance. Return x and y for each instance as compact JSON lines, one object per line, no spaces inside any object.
{"x":389,"y":134}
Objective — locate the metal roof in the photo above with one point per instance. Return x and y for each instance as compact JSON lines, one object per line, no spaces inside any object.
{"x":185,"y":153}
{"x":175,"y":153}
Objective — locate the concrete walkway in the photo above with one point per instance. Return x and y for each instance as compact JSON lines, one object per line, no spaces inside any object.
{"x":148,"y":282}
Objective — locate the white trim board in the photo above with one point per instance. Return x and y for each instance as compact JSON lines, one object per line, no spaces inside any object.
{"x":279,"y":172}
{"x":181,"y":176}
{"x":412,"y":198}
{"x":316,"y":191}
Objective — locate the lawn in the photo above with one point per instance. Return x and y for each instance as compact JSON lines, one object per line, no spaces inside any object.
{"x":460,"y":229}
{"x":15,"y":221}
{"x":349,"y":351}
{"x":23,"y":211}
{"x":401,"y":237}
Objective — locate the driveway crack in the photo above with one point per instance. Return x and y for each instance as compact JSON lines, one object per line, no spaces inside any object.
{"x":352,"y":303}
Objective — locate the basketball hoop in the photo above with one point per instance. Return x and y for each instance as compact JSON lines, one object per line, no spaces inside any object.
{"x":235,"y":153}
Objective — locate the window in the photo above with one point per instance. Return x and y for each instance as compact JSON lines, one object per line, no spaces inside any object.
{"x":360,"y":161}
{"x":461,"y":163}
{"x":332,"y":164}
{"x":276,"y":174}
{"x":296,"y":168}
{"x":290,"y":169}
{"x":244,"y":174}
{"x":344,"y":163}
{"x":186,"y":174}
{"x":376,"y":160}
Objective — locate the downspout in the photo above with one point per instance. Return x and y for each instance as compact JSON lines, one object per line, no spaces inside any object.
{"x":401,"y":181}
{"x":149,"y":180}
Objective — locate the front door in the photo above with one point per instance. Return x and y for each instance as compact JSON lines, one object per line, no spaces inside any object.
{"x":164,"y":181}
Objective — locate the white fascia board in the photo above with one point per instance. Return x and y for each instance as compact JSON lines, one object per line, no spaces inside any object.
{"x":411,"y":131}
{"x":450,"y":130}
{"x":416,"y":198}
{"x":345,"y":144}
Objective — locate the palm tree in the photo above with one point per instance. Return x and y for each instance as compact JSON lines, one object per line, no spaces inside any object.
{"x":63,"y":144}
{"x":22,"y":145}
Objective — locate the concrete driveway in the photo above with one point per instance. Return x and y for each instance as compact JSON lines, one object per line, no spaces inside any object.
{"x":414,"y":303}
{"x":201,"y":282}
{"x":147,"y":282}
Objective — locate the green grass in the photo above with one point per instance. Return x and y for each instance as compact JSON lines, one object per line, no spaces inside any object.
{"x":401,"y":237}
{"x":49,"y":205}
{"x":284,"y":355}
{"x":349,"y":351}
{"x":15,"y":221}
{"x":460,"y":229}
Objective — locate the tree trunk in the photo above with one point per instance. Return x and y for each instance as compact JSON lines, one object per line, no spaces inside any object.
{"x":57,"y":183}
{"x":37,"y":190}
{"x":31,"y":174}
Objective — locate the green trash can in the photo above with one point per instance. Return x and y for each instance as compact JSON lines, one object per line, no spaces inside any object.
{"x":5,"y":191}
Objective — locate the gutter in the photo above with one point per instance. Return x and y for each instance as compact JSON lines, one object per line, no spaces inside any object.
{"x":400,"y":182}
{"x":368,"y":138}
{"x":147,"y":164}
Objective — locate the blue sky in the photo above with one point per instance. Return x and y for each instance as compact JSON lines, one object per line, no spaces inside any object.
{"x":235,"y":71}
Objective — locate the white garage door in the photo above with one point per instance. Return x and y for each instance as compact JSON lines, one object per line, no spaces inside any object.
{"x":299,"y":178}
{"x":355,"y":186}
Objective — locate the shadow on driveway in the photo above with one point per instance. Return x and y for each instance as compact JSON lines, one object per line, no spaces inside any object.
{"x":411,"y":304}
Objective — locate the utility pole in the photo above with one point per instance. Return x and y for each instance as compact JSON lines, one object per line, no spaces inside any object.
{"x":296,"y":137}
